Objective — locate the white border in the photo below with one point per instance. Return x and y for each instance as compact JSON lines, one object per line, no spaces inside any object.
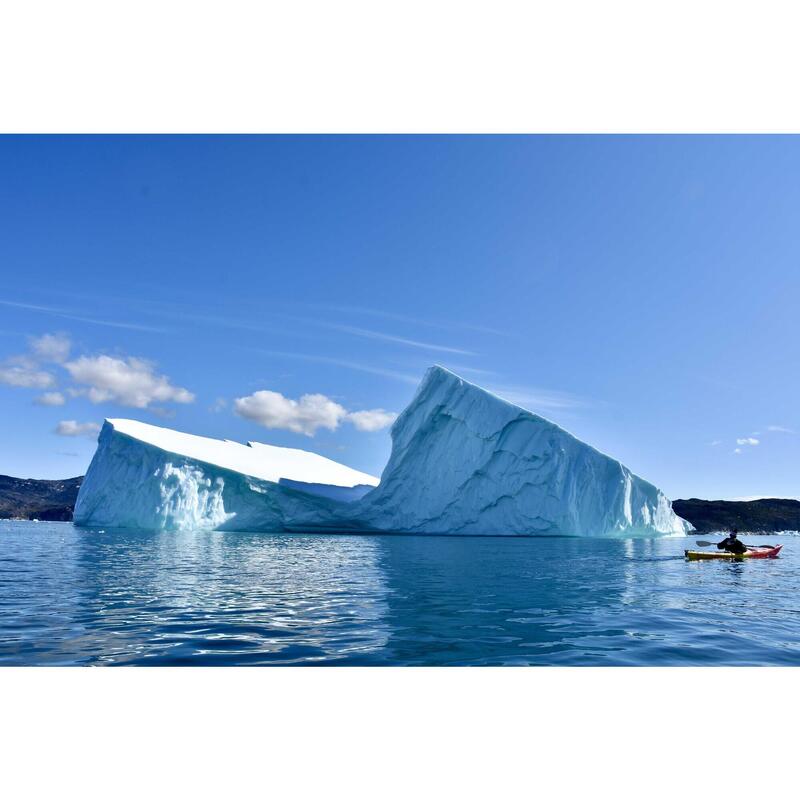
{"x":402,"y":732}
{"x":412,"y":66}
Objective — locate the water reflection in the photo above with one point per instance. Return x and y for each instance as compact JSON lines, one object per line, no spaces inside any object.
{"x":70,"y":596}
{"x":214,"y":597}
{"x":498,"y":601}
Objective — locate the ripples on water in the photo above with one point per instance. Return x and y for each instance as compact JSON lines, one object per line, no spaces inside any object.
{"x":72,"y":596}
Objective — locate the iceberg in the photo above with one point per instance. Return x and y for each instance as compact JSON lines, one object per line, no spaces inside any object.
{"x":463,"y":461}
{"x":144,"y":476}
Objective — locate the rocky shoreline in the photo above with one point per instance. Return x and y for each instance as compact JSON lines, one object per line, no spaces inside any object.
{"x":48,"y":501}
{"x":769,"y":515}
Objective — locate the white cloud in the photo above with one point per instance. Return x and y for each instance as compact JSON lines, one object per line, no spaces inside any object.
{"x":738,"y":450}
{"x":715,"y":442}
{"x":23,"y":372}
{"x":373,"y":420}
{"x":127,"y":381}
{"x":779,"y":429}
{"x":69,"y":427}
{"x":50,"y":399}
{"x":218,"y":405}
{"x":308,"y":414}
{"x":749,"y":440}
{"x":53,"y":347}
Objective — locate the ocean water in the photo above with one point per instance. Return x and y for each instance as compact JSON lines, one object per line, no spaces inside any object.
{"x":78,"y":597}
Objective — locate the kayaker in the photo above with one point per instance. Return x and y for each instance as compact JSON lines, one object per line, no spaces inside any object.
{"x":732,"y":544}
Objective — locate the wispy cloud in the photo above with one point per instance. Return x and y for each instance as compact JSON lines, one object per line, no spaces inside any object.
{"x":365,"y":333}
{"x":745,"y":441}
{"x":24,"y":373}
{"x":462,"y":369}
{"x":382,"y":314}
{"x":50,"y":399}
{"x":715,"y":442}
{"x":226,"y":322}
{"x":67,"y":314}
{"x":533,"y":398}
{"x":337,"y":362}
{"x":53,"y":347}
{"x":162,"y":413}
{"x":69,"y":427}
{"x":779,"y":429}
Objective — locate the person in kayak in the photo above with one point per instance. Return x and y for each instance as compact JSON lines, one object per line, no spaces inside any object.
{"x":732,"y":544}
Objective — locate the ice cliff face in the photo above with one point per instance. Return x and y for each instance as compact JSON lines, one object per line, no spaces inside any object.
{"x":147,"y":477}
{"x":466,"y":462}
{"x":463,"y":462}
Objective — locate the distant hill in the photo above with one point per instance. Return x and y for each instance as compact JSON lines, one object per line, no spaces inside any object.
{"x":23,"y":498}
{"x":755,"y":516}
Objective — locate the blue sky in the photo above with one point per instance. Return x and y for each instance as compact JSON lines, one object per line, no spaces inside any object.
{"x":640,"y":291}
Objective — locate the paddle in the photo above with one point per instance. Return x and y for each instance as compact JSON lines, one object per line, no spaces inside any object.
{"x":703,"y":543}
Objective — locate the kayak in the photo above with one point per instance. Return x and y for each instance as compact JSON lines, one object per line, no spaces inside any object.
{"x":763,"y":551}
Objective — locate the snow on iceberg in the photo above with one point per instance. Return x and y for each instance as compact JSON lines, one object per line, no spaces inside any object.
{"x":463,"y":461}
{"x":467,"y":462}
{"x":143,"y":476}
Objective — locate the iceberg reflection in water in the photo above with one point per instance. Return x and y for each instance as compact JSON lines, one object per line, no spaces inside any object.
{"x":137,"y":597}
{"x":77,"y":596}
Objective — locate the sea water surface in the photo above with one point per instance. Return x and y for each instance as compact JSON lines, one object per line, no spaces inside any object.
{"x":73,"y":596}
